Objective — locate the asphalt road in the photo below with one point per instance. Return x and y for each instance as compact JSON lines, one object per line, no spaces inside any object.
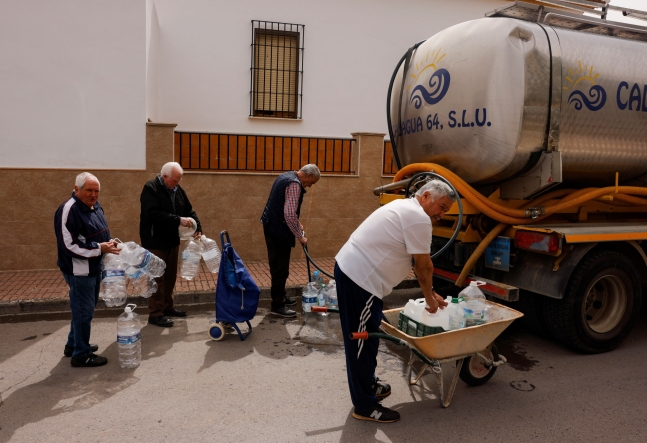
{"x":287,"y":383}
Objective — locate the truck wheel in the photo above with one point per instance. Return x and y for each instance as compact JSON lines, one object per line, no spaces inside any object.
{"x":600,"y":306}
{"x":532,"y":307}
{"x":474,"y":371}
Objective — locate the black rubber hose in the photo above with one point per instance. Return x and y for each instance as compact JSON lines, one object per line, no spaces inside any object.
{"x":458,"y":199}
{"x":310,"y":260}
{"x":388,"y":105}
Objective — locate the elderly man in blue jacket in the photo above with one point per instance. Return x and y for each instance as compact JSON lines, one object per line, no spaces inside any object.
{"x":82,"y":237}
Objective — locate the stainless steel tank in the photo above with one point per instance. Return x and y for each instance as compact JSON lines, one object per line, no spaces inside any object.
{"x":487,"y":98}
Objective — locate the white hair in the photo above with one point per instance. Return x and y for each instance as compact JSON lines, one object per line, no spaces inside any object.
{"x":83,"y":177}
{"x":437,"y":189}
{"x":311,"y":169}
{"x":168,"y":168}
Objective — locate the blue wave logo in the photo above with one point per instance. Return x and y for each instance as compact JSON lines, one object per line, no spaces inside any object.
{"x":594,"y":102}
{"x":439,"y":84}
{"x":597,"y":96}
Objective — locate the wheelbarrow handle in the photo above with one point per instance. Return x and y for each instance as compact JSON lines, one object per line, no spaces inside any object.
{"x":359,"y":335}
{"x":324,"y":309}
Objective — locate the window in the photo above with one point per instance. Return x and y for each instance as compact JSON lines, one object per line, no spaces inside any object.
{"x":389,"y":167}
{"x":277,"y":70}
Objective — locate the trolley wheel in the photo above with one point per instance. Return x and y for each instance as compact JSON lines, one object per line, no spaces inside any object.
{"x":475,"y":372}
{"x":216,"y":332}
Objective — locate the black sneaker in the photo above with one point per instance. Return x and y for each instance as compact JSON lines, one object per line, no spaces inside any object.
{"x":90,"y":360}
{"x":69,"y":350}
{"x":382,"y":390}
{"x":284,"y":312}
{"x":379,"y":414}
{"x":290,"y":301}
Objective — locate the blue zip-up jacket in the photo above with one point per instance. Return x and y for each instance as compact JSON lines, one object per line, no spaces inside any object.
{"x":79,"y":230}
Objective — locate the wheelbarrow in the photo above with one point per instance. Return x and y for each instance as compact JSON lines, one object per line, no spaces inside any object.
{"x":472,"y":348}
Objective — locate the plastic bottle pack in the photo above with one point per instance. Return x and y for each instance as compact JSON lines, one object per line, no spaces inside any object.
{"x":141,"y":260}
{"x":113,"y":280}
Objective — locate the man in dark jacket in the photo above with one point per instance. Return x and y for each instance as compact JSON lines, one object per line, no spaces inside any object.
{"x":164,"y":208}
{"x":281,"y":227}
{"x":82,"y":237}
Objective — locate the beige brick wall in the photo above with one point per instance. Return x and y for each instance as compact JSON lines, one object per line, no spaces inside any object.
{"x":331,"y":210}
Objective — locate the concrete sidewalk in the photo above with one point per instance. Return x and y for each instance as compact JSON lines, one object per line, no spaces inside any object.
{"x":24,"y":293}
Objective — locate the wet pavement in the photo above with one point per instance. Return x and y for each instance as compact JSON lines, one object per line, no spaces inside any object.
{"x":287,"y":383}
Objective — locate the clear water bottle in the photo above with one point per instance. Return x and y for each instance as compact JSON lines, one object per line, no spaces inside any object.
{"x":472,"y":292}
{"x":210,"y":254}
{"x":456,"y":317}
{"x":318,"y":278}
{"x":143,"y":285}
{"x":309,"y":297}
{"x":332,"y":295}
{"x":129,"y":343}
{"x":113,"y":280}
{"x":190,"y":255}
{"x":141,"y":259}
{"x":322,"y":299}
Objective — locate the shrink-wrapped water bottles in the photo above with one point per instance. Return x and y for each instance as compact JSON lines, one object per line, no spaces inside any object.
{"x":210,"y":253}
{"x":190,"y":254}
{"x":113,"y":280}
{"x":129,"y":343}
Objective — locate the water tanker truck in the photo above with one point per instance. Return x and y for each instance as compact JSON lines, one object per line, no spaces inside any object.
{"x":537,"y":115}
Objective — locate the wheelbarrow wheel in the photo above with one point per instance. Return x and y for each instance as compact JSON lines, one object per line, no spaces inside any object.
{"x":475,"y":371}
{"x":216,"y":332}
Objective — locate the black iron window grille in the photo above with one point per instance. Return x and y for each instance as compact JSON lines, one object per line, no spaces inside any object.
{"x":276,"y":84}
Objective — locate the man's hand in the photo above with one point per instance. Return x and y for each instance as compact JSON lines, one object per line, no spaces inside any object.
{"x":109,"y":247}
{"x":438,"y":302}
{"x":303,"y":240}
{"x":186,"y":222}
{"x":197,"y":234}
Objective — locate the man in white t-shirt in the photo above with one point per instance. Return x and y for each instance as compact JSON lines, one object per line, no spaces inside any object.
{"x":376,"y":257}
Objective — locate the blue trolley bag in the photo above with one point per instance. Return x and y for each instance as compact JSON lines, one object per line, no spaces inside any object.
{"x":237,"y":294}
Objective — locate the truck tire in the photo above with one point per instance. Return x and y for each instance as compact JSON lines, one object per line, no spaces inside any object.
{"x":600,"y":305}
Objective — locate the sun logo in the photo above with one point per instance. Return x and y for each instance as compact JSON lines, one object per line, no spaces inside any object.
{"x":597,"y":96}
{"x":438,"y":81}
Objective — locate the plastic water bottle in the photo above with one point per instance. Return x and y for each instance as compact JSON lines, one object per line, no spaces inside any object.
{"x":144,"y":285}
{"x":210,"y":254}
{"x":332,"y":295}
{"x":318,"y":278}
{"x":129,"y":336}
{"x":142,"y":260}
{"x":322,"y":298}
{"x":309,"y":297}
{"x":190,"y":255}
{"x":472,"y":292}
{"x":113,"y":280}
{"x":456,"y":317}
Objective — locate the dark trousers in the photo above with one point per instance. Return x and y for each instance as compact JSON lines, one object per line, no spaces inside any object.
{"x":84,"y":295}
{"x":162,"y":299}
{"x":359,"y":311}
{"x":278,"y":255}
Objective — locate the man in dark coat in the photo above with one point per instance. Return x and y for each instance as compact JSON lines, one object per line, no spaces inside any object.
{"x":282,"y":228}
{"x":164,"y":208}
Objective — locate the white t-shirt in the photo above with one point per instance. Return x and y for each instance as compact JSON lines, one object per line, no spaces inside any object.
{"x":377,"y":256}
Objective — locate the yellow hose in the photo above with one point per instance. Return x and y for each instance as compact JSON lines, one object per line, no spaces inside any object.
{"x":480,"y":249}
{"x":508,"y":216}
{"x":503,"y":214}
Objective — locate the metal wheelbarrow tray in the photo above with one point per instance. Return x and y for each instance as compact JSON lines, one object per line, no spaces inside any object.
{"x":472,"y":345}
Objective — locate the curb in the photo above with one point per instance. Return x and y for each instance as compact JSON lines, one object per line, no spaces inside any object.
{"x":30,"y":310}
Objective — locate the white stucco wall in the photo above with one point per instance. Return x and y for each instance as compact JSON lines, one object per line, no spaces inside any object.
{"x":73,"y":84}
{"x":351,"y":49}
{"x":152,"y":61}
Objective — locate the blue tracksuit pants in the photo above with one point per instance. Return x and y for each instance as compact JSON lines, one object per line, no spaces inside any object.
{"x":359,"y":311}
